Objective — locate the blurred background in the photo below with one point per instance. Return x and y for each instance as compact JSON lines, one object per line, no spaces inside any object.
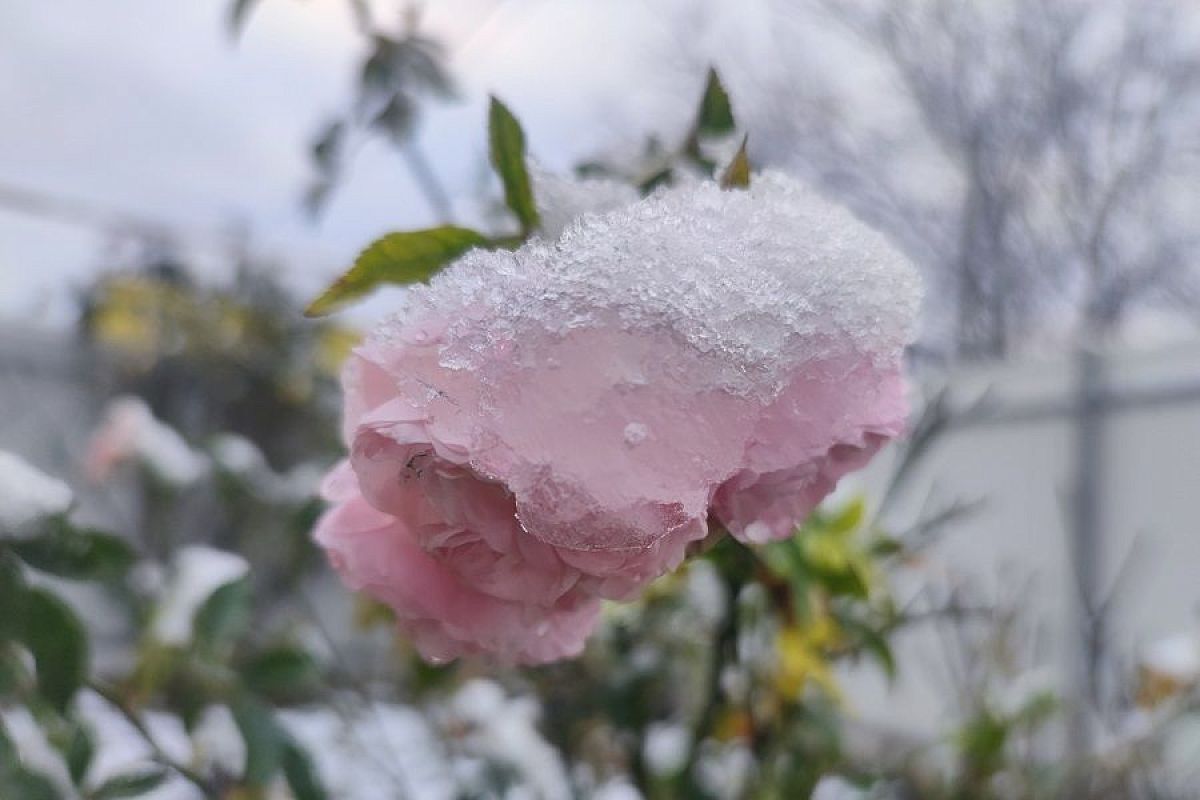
{"x":1005,"y":606}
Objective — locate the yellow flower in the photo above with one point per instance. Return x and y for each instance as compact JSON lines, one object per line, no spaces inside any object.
{"x":803,"y":657}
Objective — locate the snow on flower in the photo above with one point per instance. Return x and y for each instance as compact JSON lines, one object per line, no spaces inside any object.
{"x":28,"y":494}
{"x":536,"y":431}
{"x":131,"y":432}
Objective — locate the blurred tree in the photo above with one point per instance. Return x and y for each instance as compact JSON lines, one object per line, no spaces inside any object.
{"x":1042,"y":167}
{"x":208,"y":360}
{"x":400,"y":70}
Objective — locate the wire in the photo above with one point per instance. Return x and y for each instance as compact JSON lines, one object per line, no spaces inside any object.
{"x":69,"y":211}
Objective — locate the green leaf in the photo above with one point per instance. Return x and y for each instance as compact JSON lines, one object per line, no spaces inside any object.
{"x":223,"y":618}
{"x":21,"y":783}
{"x":735,"y":562}
{"x":983,"y":741}
{"x":301,"y":775}
{"x":715,"y":116}
{"x":131,"y":784}
{"x":265,"y":740}
{"x":78,"y":554}
{"x":737,"y":174}
{"x":58,"y":642}
{"x":13,"y":676}
{"x":506,"y":143}
{"x":13,"y":595}
{"x":8,"y":750}
{"x":280,"y":672}
{"x":78,"y":753}
{"x":886,"y":547}
{"x":877,"y":645}
{"x":398,"y":258}
{"x":849,"y":518}
{"x":837,"y":567}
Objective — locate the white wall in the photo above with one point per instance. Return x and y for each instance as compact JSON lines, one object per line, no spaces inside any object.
{"x":1014,"y":547}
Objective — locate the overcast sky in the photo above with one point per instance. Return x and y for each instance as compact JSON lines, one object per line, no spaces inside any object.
{"x":149,"y":108}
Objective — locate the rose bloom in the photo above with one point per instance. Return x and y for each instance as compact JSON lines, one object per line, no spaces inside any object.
{"x":540,"y":430}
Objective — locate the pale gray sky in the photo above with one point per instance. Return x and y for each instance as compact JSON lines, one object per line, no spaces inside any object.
{"x":150,"y":108}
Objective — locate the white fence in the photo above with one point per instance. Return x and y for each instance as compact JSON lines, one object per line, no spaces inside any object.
{"x":1019,"y":457}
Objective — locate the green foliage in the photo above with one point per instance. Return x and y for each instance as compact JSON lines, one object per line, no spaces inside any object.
{"x":12,"y":595}
{"x":398,"y":258}
{"x":737,"y":174}
{"x":235,"y":357}
{"x":8,"y":750}
{"x":715,"y":115}
{"x":58,"y":643}
{"x":78,"y":752}
{"x":714,"y":120}
{"x":506,"y":149}
{"x":147,"y":322}
{"x":754,"y":669}
{"x":22,"y":783}
{"x":265,"y":740}
{"x":414,"y":256}
{"x":80,"y":554}
{"x":131,"y":784}
{"x":17,"y":781}
{"x":300,"y":774}
{"x":280,"y":672}
{"x":223,"y":618}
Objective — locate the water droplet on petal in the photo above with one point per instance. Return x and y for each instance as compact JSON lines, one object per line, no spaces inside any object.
{"x":636,"y":433}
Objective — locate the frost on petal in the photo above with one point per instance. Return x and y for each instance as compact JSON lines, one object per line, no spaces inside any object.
{"x":557,"y":424}
{"x":197,"y":572}
{"x":28,"y":494}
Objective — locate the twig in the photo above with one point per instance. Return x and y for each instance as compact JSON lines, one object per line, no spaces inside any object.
{"x":725,"y":644}
{"x":159,"y":755}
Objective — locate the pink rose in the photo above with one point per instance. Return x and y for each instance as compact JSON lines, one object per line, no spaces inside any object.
{"x":540,"y":430}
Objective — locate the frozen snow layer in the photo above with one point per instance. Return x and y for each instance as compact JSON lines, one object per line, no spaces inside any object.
{"x":760,"y":279}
